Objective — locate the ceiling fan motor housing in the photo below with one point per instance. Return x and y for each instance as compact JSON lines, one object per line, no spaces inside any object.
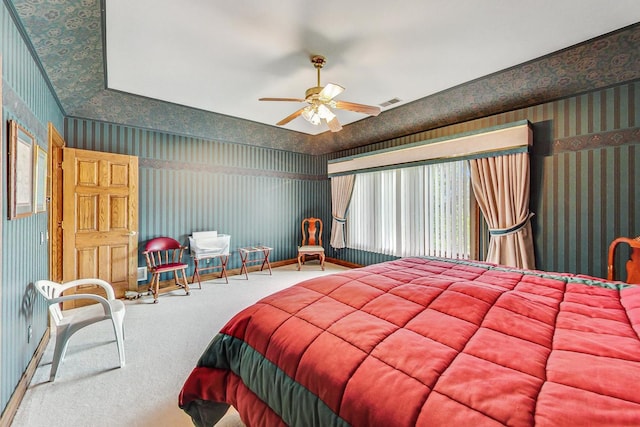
{"x":312,"y":92}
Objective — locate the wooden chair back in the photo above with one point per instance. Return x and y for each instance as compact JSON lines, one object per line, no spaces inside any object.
{"x":311,"y":241}
{"x":162,"y":252}
{"x":311,"y":232}
{"x":633,"y":264}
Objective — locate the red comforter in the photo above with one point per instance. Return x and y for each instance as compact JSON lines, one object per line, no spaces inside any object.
{"x":425,"y":341}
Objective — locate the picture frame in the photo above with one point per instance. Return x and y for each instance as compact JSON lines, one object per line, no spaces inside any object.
{"x":40,"y":180}
{"x":21,"y":152}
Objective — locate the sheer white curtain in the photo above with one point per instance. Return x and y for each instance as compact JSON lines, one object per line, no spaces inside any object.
{"x":501,"y":186}
{"x":341,"y":190}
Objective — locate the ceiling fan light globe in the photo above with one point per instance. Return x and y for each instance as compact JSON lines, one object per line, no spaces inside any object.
{"x":310,"y":114}
{"x":307,"y":113}
{"x":325,"y":113}
{"x":315,"y":120}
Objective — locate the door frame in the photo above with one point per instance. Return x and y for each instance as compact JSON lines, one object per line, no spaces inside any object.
{"x":54,"y":197}
{"x":2,"y":198}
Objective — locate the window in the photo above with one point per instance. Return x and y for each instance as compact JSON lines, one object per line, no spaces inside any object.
{"x":420,"y":210}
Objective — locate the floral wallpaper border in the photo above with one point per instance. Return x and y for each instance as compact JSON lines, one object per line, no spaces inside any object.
{"x":225,"y":170}
{"x":597,"y":140}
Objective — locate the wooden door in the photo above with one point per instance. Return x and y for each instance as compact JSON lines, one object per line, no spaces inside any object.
{"x":100,"y":218}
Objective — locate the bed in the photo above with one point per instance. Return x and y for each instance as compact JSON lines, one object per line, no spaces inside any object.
{"x":428,"y":341}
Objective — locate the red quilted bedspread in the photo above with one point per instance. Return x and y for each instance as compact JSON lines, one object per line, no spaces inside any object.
{"x":426,"y":341}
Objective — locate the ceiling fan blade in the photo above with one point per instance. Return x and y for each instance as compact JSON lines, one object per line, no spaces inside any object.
{"x":329,"y":92}
{"x":282,"y":99}
{"x":334,"y":125}
{"x":360,"y":108}
{"x":290,"y":117}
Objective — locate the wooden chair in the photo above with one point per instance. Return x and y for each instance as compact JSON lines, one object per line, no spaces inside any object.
{"x":164,"y":255}
{"x":633,"y":264}
{"x":311,"y":241}
{"x":68,"y":323}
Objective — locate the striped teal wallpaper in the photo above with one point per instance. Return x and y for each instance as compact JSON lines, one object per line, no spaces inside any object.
{"x":583,"y":183}
{"x":588,"y":198}
{"x":257,"y":195}
{"x":584,"y":188}
{"x":26,"y":98}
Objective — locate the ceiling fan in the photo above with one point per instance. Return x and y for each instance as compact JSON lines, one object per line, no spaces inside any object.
{"x":320,"y":102}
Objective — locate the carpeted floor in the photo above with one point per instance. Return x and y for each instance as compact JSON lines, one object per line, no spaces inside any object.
{"x":162,"y":344}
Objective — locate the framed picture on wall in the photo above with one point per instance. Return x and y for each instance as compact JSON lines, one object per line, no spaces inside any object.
{"x":21,"y":146}
{"x":40,"y":180}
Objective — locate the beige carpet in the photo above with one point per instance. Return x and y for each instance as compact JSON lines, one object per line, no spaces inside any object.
{"x":163,"y":343}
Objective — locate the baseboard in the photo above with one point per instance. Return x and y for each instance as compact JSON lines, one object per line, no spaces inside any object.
{"x":18,"y":394}
{"x":236,"y":271}
{"x":342,"y":263}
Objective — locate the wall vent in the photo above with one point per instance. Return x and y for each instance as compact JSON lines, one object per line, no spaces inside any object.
{"x":390,"y":102}
{"x":142,"y":273}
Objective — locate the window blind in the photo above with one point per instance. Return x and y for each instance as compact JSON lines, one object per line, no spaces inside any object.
{"x":415,"y":211}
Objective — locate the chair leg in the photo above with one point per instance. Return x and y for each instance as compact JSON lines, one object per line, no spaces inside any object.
{"x":184,"y":280}
{"x":118,"y":328}
{"x":322,"y":261}
{"x":196,"y":274}
{"x":299,"y":264}
{"x":176,"y":279}
{"x":62,"y":338}
{"x":156,"y":287}
{"x":223,"y":268}
{"x":152,"y":283}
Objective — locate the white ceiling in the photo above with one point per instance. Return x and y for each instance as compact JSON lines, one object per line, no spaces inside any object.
{"x":221,"y":56}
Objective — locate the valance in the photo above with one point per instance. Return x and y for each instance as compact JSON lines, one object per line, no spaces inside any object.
{"x":509,"y":138}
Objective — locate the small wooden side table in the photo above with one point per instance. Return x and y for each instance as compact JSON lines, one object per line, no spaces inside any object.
{"x":263,"y":256}
{"x":224,"y":258}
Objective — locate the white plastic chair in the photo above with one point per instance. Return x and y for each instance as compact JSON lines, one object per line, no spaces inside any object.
{"x":69,"y":323}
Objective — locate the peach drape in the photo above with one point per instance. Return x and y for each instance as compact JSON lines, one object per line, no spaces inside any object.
{"x":341,"y":190}
{"x":501,"y":186}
